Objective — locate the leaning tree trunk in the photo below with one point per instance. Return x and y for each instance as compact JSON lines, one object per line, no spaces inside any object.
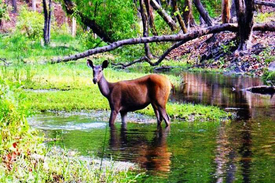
{"x":91,"y":23}
{"x":232,"y":10}
{"x":170,"y":22}
{"x":265,"y":3}
{"x":178,"y":15}
{"x":149,"y":10}
{"x":225,"y":11}
{"x":188,"y":14}
{"x":244,"y":10}
{"x":34,"y":5}
{"x":14,"y":5}
{"x":203,"y":12}
{"x":144,"y":18}
{"x":47,"y":21}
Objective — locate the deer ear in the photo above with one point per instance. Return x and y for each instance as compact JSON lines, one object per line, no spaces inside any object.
{"x":90,"y":63}
{"x":105,"y":64}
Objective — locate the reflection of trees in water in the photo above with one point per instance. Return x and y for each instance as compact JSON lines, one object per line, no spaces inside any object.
{"x":223,"y":91}
{"x":152,"y":155}
{"x":234,"y":152}
{"x":222,"y":153}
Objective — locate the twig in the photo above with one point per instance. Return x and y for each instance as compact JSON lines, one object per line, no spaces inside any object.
{"x":142,"y":59}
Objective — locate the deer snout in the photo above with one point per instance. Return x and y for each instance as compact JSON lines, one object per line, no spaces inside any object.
{"x":95,"y":80}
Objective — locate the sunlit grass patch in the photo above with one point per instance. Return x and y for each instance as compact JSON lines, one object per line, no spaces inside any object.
{"x":191,"y":112}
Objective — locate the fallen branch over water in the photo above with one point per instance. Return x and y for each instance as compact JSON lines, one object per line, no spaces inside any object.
{"x":262,"y":89}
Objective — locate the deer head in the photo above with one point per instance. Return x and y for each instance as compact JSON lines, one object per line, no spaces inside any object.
{"x":97,"y":70}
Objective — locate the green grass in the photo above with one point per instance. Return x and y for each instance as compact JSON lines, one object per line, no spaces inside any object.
{"x":264,"y":17}
{"x":17,"y":48}
{"x":25,"y":158}
{"x":71,"y":89}
{"x":269,"y":78}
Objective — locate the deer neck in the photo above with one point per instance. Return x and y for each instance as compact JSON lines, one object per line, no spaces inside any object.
{"x":104,"y":87}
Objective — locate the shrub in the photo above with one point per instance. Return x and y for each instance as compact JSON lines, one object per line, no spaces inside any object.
{"x":30,"y":23}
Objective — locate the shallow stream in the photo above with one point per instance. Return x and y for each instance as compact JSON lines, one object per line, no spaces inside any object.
{"x":240,"y":151}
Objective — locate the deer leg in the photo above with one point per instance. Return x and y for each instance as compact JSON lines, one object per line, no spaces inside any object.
{"x":112,"y":118}
{"x":159,"y":118}
{"x":164,"y":115}
{"x":123,"y":119}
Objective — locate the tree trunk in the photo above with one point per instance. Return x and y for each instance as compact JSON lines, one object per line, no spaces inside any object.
{"x":14,"y":5}
{"x":265,"y":3}
{"x":34,"y":5}
{"x":47,"y":21}
{"x":225,"y":11}
{"x":144,"y":18}
{"x":203,"y":12}
{"x":73,"y":26}
{"x":170,"y":22}
{"x":244,"y":10}
{"x":232,"y":10}
{"x":178,"y":15}
{"x":188,"y":14}
{"x":151,"y":17}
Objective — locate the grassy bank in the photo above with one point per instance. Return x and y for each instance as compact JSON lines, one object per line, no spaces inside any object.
{"x":69,"y":87}
{"x":25,"y":158}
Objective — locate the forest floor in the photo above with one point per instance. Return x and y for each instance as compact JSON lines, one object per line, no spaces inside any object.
{"x":217,"y":51}
{"x":212,"y":53}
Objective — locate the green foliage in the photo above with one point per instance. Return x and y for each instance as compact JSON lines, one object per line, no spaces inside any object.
{"x":116,"y":17}
{"x":269,"y":78}
{"x":89,"y":41}
{"x":4,"y":15}
{"x":30,"y":23}
{"x":264,"y":17}
{"x":227,"y":47}
{"x":13,"y":124}
{"x":213,"y":7}
{"x":18,"y":48}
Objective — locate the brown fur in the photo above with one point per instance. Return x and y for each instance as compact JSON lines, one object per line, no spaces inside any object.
{"x":132,"y":95}
{"x":136,"y":94}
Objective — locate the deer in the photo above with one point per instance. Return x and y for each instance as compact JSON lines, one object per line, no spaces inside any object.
{"x":131,"y":95}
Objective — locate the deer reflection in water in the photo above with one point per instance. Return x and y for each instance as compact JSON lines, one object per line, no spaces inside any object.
{"x":149,"y":154}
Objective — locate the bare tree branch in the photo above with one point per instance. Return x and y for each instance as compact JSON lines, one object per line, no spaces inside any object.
{"x":150,"y":15}
{"x":142,"y":59}
{"x":172,"y":24}
{"x":203,"y":12}
{"x":145,"y":25}
{"x":265,"y":3}
{"x":178,"y":15}
{"x":165,"y":38}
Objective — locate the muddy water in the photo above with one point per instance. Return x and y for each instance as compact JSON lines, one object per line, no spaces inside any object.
{"x":240,"y":151}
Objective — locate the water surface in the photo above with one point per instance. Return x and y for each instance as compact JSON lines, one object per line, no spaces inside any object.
{"x":240,"y":151}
